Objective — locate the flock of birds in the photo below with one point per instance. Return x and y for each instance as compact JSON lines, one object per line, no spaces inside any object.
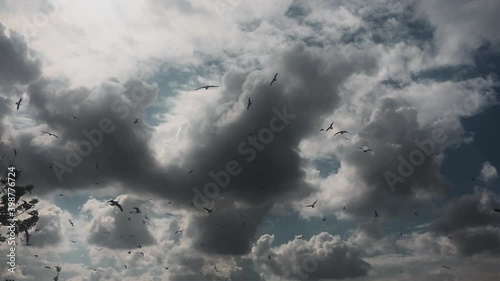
{"x":137,"y":210}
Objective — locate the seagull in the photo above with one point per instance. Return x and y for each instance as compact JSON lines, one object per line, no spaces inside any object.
{"x":312,"y":205}
{"x":324,"y":218}
{"x":209,"y":210}
{"x":206,"y":87}
{"x":137,"y":210}
{"x":178,"y":231}
{"x":115,"y":203}
{"x":139,"y":247}
{"x":136,"y":121}
{"x":48,"y":267}
{"x":249,"y":103}
{"x":146,"y":217}
{"x":341,"y":132}
{"x":365,"y":150}
{"x":376,"y":214}
{"x":444,"y":266}
{"x":74,"y":117}
{"x":19,"y":103}
{"x":274,"y":79}
{"x":50,"y":134}
{"x":71,"y":223}
{"x":190,"y":172}
{"x":449,"y":237}
{"x":329,"y":127}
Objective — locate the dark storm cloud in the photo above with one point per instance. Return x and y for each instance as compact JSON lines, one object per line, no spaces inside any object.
{"x":124,"y":155}
{"x":393,"y":134}
{"x":472,"y":224}
{"x":17,"y":65}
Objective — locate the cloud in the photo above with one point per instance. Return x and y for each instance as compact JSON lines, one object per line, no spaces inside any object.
{"x":488,"y":172}
{"x":310,"y":259}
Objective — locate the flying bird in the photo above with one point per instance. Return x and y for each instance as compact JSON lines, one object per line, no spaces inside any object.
{"x":449,"y":237}
{"x":137,"y":210}
{"x":324,"y":218}
{"x":136,"y":121}
{"x":48,"y":267}
{"x":50,"y":134}
{"x":269,"y":257}
{"x":312,"y":205}
{"x":19,"y":103}
{"x":74,"y":117}
{"x":496,"y":210}
{"x":376,"y":214}
{"x":115,"y":203}
{"x":365,"y":150}
{"x":274,"y":79}
{"x":206,"y":87}
{"x":71,"y":223}
{"x":249,"y":103}
{"x":142,"y":253}
{"x":178,"y":231}
{"x":447,"y":267}
{"x":329,"y":127}
{"x":416,"y":214}
{"x":191,"y":171}
{"x":129,"y":252}
{"x":139,"y":247}
{"x":341,"y":132}
{"x":166,"y":268}
{"x":209,"y":210}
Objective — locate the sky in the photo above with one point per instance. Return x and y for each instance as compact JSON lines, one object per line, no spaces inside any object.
{"x":246,"y":181}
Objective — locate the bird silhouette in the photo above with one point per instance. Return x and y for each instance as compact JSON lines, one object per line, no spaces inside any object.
{"x":142,"y":253}
{"x":209,"y":210}
{"x":496,"y":210}
{"x":365,"y":150}
{"x":136,"y":121}
{"x":249,"y":103}
{"x":274,"y":79}
{"x":115,"y":203}
{"x":50,"y":134}
{"x":71,"y":223}
{"x":19,"y":103}
{"x":191,"y":171}
{"x":137,"y":210}
{"x":178,"y":231}
{"x":444,"y":266}
{"x":324,"y":218}
{"x":416,"y":214}
{"x":329,"y":127}
{"x":376,"y":214}
{"x":449,"y":237}
{"x":312,"y":205}
{"x":139,"y":247}
{"x":269,"y":257}
{"x":74,"y":117}
{"x":341,"y":132}
{"x":205,"y":87}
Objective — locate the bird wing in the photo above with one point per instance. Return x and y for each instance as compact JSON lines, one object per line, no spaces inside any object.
{"x":213,"y":86}
{"x":275,"y":75}
{"x":199,"y":88}
{"x":336,"y":133}
{"x":119,"y":206}
{"x":315,"y":202}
